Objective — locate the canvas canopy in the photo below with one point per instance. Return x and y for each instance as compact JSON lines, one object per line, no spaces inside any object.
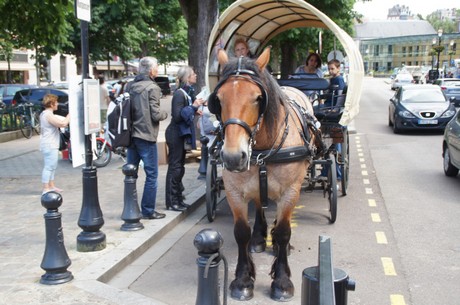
{"x":258,"y":21}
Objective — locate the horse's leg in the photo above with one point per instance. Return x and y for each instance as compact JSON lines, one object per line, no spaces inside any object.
{"x":242,"y":287}
{"x":282,"y":288}
{"x":259,"y":232}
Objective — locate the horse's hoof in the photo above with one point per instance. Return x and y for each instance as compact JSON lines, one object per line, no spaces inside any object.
{"x":258,"y":248}
{"x":244,"y":294}
{"x":281,"y":295}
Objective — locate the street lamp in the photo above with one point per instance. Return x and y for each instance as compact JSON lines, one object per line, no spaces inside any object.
{"x":452,"y":51}
{"x":439,"y":48}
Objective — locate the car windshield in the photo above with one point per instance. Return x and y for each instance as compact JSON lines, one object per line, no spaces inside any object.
{"x":452,"y":83}
{"x":422,"y":96}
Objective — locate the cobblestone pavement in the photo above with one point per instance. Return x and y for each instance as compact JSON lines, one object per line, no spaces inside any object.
{"x":22,"y":238}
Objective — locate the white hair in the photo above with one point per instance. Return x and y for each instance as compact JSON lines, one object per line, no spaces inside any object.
{"x":183,"y":75}
{"x":146,"y":64}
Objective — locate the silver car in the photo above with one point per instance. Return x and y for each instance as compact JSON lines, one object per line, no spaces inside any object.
{"x":451,"y":147}
{"x":451,"y":88}
{"x":401,"y":79}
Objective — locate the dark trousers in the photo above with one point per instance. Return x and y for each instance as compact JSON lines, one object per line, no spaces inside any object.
{"x":176,"y":168}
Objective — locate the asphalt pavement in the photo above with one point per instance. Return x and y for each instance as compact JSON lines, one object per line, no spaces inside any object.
{"x":23,"y":235}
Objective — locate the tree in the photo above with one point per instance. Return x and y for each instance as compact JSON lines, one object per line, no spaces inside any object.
{"x":39,"y":25}
{"x":200,"y":16}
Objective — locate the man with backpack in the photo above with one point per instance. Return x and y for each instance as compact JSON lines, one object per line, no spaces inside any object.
{"x":146,"y":116}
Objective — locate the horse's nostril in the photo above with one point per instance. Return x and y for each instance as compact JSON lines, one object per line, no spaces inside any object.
{"x":244,"y":155}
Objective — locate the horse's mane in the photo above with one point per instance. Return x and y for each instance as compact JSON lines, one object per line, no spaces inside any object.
{"x":275,"y":97}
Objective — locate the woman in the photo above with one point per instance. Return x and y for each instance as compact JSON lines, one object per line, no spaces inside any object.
{"x":49,"y":140}
{"x":312,"y":66}
{"x":180,"y":131}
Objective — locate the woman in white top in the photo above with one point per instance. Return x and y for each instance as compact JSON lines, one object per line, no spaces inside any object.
{"x":49,"y":140}
{"x":312,"y":66}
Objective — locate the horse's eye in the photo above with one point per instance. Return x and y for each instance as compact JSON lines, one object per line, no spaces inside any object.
{"x":259,"y":98}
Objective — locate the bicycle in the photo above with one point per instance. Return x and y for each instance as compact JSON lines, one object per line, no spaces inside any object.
{"x":29,"y":119}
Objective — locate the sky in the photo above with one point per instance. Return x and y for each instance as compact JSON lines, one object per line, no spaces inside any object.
{"x":378,"y":9}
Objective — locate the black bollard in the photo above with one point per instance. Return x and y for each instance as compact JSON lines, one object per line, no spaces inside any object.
{"x":90,"y":220}
{"x":208,"y":242}
{"x":55,"y":260}
{"x":131,"y":212}
{"x":204,"y":140}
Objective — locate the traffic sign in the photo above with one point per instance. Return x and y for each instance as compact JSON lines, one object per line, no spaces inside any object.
{"x":83,"y":10}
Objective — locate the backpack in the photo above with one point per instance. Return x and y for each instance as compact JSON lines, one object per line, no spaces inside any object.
{"x":120,"y":122}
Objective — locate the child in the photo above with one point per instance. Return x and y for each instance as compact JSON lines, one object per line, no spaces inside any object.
{"x":336,"y":82}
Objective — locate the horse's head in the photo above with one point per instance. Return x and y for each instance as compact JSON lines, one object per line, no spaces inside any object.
{"x":240,"y":100}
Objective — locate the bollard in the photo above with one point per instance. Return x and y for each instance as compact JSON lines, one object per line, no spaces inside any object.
{"x":204,"y":157}
{"x":310,"y":287}
{"x":90,"y":220}
{"x":208,"y":242}
{"x":131,"y":212}
{"x":55,"y":260}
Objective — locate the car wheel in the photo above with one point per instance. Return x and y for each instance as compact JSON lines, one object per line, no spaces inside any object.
{"x":449,"y":169}
{"x":389,"y":120}
{"x":395,"y":127}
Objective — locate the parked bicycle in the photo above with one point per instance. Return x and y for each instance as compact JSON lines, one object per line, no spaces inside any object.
{"x":103,"y":150}
{"x":29,"y":119}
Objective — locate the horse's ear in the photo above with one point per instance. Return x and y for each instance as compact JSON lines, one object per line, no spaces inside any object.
{"x":263,"y":59}
{"x":222,"y":57}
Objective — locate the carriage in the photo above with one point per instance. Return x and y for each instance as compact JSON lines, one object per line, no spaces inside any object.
{"x":269,"y":139}
{"x":258,"y":22}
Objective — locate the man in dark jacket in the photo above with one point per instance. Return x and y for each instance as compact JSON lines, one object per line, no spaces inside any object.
{"x":146,"y":116}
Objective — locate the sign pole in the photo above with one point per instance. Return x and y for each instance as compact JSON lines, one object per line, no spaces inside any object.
{"x":91,"y":219}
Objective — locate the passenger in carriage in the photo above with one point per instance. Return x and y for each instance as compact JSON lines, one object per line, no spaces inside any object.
{"x":312,"y":67}
{"x":336,"y":83}
{"x":241,"y":48}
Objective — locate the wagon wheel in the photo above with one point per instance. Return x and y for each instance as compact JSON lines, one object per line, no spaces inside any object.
{"x":345,"y":162}
{"x":212,"y":189}
{"x":331,"y":189}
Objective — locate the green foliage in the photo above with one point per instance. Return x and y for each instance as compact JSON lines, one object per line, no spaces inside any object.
{"x":447,"y":26}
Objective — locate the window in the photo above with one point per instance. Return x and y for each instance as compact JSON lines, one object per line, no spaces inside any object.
{"x":390,"y":49}
{"x":403,"y":51}
{"x":410,"y":52}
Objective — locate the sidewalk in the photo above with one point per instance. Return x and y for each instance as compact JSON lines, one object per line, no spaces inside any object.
{"x":22,"y":239}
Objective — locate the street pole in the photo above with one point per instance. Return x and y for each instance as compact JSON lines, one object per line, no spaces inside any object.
{"x":90,"y":220}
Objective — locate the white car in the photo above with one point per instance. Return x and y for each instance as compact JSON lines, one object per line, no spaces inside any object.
{"x":401,"y":79}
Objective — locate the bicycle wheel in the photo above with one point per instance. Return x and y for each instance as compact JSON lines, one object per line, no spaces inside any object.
{"x":345,"y":162}
{"x":37,"y":122}
{"x":211,"y":190}
{"x":331,"y":189}
{"x":103,"y":154}
{"x":25,"y":126}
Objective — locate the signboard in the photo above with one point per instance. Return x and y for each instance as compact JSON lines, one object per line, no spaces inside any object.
{"x":77,"y":148}
{"x":92,"y":106}
{"x":83,"y":10}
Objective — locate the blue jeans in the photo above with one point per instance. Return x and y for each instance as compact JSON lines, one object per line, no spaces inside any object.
{"x":50,"y":158}
{"x":324,"y":170}
{"x":147,"y":152}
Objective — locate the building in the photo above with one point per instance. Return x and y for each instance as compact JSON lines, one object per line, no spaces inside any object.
{"x":387,"y":44}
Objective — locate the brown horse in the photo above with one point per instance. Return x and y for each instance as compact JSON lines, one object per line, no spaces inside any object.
{"x":258,"y":124}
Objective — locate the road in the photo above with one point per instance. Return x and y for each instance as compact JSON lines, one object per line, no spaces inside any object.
{"x":396,"y":232}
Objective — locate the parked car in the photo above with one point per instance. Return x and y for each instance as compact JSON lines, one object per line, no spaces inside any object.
{"x":451,"y":147}
{"x":423,"y":107}
{"x":451,"y":88}
{"x":35,"y":96}
{"x":163,"y":83}
{"x":172,"y":83}
{"x":64,"y":86}
{"x":402,"y":78}
{"x":7,"y":91}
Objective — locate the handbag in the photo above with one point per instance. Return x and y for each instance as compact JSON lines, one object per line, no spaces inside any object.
{"x":188,"y":143}
{"x":63,"y":141}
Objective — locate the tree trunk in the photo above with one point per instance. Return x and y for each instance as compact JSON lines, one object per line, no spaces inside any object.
{"x":201,"y":16}
{"x":288,"y":61}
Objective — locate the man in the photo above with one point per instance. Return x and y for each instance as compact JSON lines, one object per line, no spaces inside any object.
{"x":146,"y":117}
{"x":104,"y":98}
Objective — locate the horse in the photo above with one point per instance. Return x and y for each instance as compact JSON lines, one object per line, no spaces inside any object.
{"x":259,"y":124}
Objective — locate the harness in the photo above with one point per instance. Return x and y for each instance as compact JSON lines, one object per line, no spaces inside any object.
{"x":276,"y":154}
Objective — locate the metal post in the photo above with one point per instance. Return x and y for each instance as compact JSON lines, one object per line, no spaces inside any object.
{"x":55,"y":260}
{"x":208,"y":242}
{"x":323,"y":284}
{"x":91,"y":219}
{"x":131,"y":212}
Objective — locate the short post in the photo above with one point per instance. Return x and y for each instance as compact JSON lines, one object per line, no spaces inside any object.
{"x":131,"y":212}
{"x":91,"y":219}
{"x":208,"y":242}
{"x":55,"y":260}
{"x":204,"y":140}
{"x":322,"y":284}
